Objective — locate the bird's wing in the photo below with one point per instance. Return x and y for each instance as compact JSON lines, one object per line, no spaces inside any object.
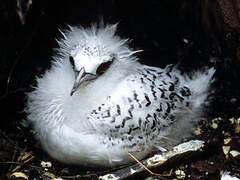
{"x":142,"y":106}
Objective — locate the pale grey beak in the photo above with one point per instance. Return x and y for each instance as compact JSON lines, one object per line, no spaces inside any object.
{"x":80,"y":77}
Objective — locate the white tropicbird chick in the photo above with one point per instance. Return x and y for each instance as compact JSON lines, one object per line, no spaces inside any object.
{"x":97,"y":102}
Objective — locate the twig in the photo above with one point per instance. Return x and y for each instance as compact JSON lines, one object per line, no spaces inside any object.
{"x":147,"y":169}
{"x":79,"y":176}
{"x":168,"y":160}
{"x":13,"y":157}
{"x":24,"y":163}
{"x":10,"y":162}
{"x":23,"y":12}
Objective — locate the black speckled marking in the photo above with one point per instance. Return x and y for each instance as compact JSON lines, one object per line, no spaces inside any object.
{"x":117,"y":127}
{"x":153,"y":92}
{"x":173,"y":95}
{"x":158,"y":110}
{"x":163,"y":93}
{"x":185,"y":91}
{"x":94,"y":111}
{"x":130,"y":110}
{"x":124,"y":121}
{"x":129,"y":99}
{"x":133,"y":145}
{"x":153,"y":83}
{"x":160,"y":107}
{"x":154,"y":77}
{"x":152,"y":74}
{"x":153,"y":124}
{"x":148,"y":100}
{"x":113,"y":119}
{"x":130,"y":113}
{"x":130,"y":138}
{"x":148,"y":70}
{"x":108,"y":114}
{"x":140,"y":122}
{"x":169,"y":68}
{"x":171,"y":87}
{"x":150,"y":80}
{"x":147,"y":117}
{"x":168,"y":74}
{"x":176,"y":80}
{"x":144,"y":75}
{"x":135,"y":95}
{"x":168,"y":108}
{"x":155,"y":116}
{"x":118,"y":110}
{"x":164,"y":83}
{"x":130,"y":130}
{"x":136,"y":128}
{"x":153,"y":70}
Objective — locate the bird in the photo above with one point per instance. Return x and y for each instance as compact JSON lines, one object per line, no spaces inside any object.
{"x":96,"y":101}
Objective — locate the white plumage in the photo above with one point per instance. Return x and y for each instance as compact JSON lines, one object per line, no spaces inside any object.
{"x":97,"y":101}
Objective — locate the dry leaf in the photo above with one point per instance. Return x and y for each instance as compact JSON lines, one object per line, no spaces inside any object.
{"x":24,"y":156}
{"x":226,"y":149}
{"x":237,"y":128}
{"x":19,"y":175}
{"x":51,"y":175}
{"x":234,"y":153}
{"x":227,"y":140}
{"x":198,"y":131}
{"x":232,"y":120}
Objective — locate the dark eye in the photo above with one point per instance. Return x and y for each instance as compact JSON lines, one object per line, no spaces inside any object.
{"x":72,"y":61}
{"x":103,"y":67}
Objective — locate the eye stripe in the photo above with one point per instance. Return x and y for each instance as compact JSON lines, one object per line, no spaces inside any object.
{"x":103,"y":67}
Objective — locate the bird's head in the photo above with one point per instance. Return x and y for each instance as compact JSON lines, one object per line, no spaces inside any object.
{"x":92,"y":51}
{"x":88,"y":68}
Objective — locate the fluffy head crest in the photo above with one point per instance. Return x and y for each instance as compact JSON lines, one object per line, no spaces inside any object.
{"x":96,"y":41}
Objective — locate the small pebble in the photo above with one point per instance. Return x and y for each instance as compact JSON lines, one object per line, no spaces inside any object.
{"x":197,"y":131}
{"x":180,"y":174}
{"x":46,"y":164}
{"x":214,"y":125}
{"x":233,"y":100}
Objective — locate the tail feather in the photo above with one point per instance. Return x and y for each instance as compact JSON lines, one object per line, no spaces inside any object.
{"x":199,"y":85}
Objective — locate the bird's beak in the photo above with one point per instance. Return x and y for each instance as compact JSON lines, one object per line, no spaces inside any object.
{"x":80,"y":77}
